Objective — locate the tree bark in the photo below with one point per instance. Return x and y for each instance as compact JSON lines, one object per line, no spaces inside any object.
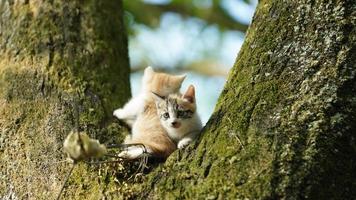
{"x":57,"y":57}
{"x":284,"y":126}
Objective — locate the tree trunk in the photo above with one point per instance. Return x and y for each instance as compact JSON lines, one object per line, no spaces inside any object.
{"x":285,"y":124}
{"x":57,"y":57}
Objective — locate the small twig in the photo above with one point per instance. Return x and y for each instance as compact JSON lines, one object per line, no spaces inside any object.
{"x":66,"y":180}
{"x":146,"y":161}
{"x":61,"y":161}
{"x":76,"y":118}
{"x":238,"y":139}
{"x":102,"y":162}
{"x":76,"y":104}
{"x":141,"y":167}
{"x":143,"y":161}
{"x":112,"y":156}
{"x":111,"y":146}
{"x":236,"y":135}
{"x":229,"y":120}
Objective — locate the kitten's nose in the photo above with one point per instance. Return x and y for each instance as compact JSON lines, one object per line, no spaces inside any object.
{"x":175,"y":124}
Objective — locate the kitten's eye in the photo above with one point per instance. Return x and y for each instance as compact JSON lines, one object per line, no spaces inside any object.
{"x":166,"y":115}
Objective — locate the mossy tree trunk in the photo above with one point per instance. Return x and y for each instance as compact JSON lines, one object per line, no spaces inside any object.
{"x":55,"y":57}
{"x":285,"y":123}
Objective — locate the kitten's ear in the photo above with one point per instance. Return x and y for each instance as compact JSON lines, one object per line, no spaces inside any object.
{"x":149,"y":69}
{"x":158,"y":97}
{"x":148,"y":73}
{"x":179,"y":79}
{"x":189,"y":95}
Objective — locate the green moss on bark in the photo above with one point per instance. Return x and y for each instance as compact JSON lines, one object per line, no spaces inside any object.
{"x":56,"y":57}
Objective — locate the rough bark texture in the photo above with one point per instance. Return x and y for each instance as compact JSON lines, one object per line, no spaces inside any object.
{"x":285,"y":124}
{"x":56,"y":56}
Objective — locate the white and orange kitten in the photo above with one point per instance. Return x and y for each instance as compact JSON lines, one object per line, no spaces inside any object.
{"x":178,"y":116}
{"x":152,"y":81}
{"x":141,"y":112}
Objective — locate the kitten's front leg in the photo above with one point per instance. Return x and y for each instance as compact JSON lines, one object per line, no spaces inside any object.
{"x":130,"y":111}
{"x":120,"y":113}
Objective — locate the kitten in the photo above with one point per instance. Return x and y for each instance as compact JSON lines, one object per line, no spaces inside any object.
{"x":159,"y":83}
{"x":146,"y":128}
{"x":178,"y":116}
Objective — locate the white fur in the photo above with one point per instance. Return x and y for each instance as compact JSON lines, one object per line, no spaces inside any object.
{"x":136,"y":104}
{"x":131,"y":109}
{"x":184,"y":142}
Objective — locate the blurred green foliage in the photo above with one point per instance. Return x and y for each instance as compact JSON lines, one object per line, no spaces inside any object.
{"x":161,"y":32}
{"x":209,"y":11}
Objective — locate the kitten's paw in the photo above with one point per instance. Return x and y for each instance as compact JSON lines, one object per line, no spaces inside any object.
{"x":184,"y":142}
{"x":119,"y":113}
{"x":132,"y":153}
{"x":126,"y":155}
{"x":123,"y":154}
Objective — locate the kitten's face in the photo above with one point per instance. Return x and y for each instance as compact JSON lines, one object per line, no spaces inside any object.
{"x":161,"y":83}
{"x":175,"y":111}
